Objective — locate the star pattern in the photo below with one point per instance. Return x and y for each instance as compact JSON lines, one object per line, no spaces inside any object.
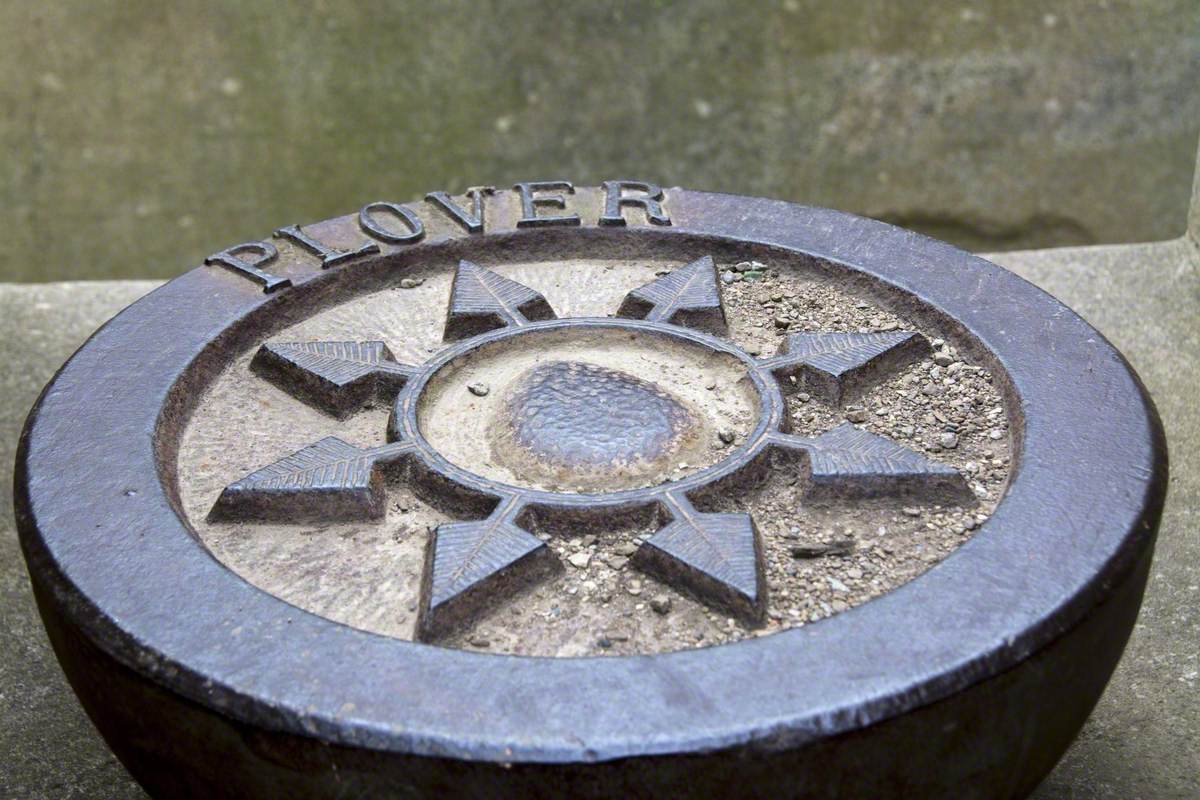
{"x":473,"y":564}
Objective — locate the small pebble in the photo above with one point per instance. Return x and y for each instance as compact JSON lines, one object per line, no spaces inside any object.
{"x":726,"y":436}
{"x":661,"y":603}
{"x":856,"y":414}
{"x":411,"y":283}
{"x":580,"y":559}
{"x":948,"y":441}
{"x":943,"y":359}
{"x":838,"y":547}
{"x":479,"y":389}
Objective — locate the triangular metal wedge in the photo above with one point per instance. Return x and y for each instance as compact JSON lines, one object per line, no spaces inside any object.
{"x":481,"y":300}
{"x":689,"y":296}
{"x":852,"y":462}
{"x":471,"y":566}
{"x":837,"y":366}
{"x":337,"y":377}
{"x":330,"y":481}
{"x":716,"y":558}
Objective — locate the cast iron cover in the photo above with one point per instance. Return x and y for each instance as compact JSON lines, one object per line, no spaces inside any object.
{"x":615,"y":491}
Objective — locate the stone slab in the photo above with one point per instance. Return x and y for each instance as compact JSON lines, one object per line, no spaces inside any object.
{"x":1143,"y":739}
{"x":48,"y":747}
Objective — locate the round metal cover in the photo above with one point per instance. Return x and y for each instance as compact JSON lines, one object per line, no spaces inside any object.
{"x":614,"y":491}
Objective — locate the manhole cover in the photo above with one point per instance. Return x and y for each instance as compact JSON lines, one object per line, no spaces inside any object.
{"x":769,"y":499}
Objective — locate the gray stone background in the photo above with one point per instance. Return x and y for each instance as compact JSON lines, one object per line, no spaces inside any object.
{"x":139,"y":137}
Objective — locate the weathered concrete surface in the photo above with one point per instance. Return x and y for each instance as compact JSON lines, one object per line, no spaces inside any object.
{"x":48,"y":748}
{"x":1143,"y":740}
{"x":133,"y":130}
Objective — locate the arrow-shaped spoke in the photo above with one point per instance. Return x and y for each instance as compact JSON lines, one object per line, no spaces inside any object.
{"x":689,"y":296}
{"x":851,"y":462}
{"x":716,"y":558}
{"x":337,"y":377}
{"x":472,"y":565}
{"x":330,"y":481}
{"x":836,"y":366}
{"x":481,"y":300}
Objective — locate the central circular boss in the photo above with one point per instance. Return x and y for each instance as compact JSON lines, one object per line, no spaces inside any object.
{"x":574,"y":417}
{"x":586,"y":406}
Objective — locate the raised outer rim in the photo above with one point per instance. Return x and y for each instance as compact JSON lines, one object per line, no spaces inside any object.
{"x":100,"y":532}
{"x":770,"y":412}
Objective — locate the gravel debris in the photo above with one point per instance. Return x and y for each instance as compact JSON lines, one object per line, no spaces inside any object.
{"x":819,"y":559}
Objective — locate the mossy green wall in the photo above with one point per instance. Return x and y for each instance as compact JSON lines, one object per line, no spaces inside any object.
{"x":140,"y":136}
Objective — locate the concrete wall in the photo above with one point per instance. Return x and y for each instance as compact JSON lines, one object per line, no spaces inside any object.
{"x":138,"y":136}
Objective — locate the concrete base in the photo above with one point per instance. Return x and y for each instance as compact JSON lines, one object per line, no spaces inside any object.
{"x":1142,"y":741}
